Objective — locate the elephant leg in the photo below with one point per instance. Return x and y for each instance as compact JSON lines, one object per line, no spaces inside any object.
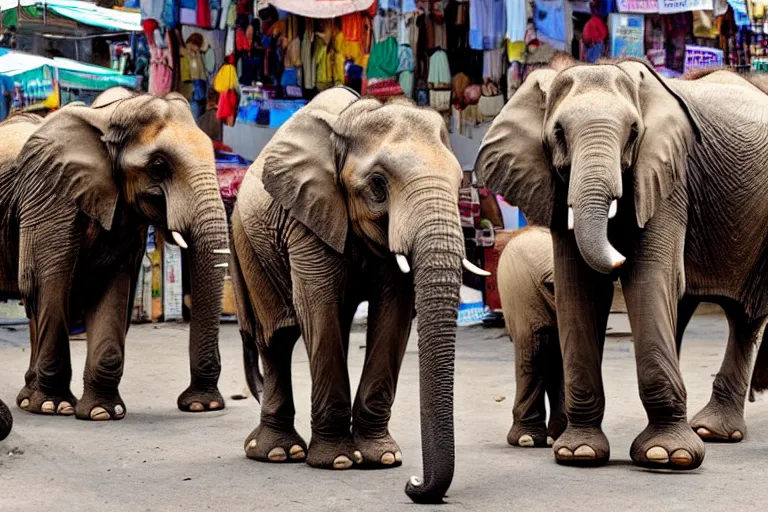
{"x":48,"y":378}
{"x":722,"y":419}
{"x":553,"y":380}
{"x":529,"y":413}
{"x":390,"y":314}
{"x":319,"y":279}
{"x":653,"y":283}
{"x":276,"y":439}
{"x":106,"y":326}
{"x":583,"y":303}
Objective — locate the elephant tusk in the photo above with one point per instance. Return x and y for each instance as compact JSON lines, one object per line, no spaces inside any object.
{"x":221,"y":265}
{"x":613,"y":209}
{"x":474,"y":268}
{"x":402,"y":262}
{"x":617,"y":259}
{"x":570,"y":218}
{"x":179,"y":240}
{"x":222,"y":251}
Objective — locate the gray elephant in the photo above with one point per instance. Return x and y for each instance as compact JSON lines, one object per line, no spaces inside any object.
{"x":618,"y":161}
{"x":347,"y":198}
{"x":525,"y":278}
{"x":77,"y":201}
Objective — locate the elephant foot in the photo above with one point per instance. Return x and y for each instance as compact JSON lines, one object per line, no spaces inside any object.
{"x":379,"y":453}
{"x":267,"y":444}
{"x":557,"y":425}
{"x":582,"y":446}
{"x":717,"y":422}
{"x":6,"y":420}
{"x":100,"y":407}
{"x":333,"y":453}
{"x":39,"y":402}
{"x":668,"y":447}
{"x":197,"y":400}
{"x":529,"y":436}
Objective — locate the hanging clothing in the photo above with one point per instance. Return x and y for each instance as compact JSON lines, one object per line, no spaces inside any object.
{"x":352,"y":26}
{"x":439,"y":70}
{"x":517,"y":19}
{"x":487,"y":24}
{"x":493,"y":64}
{"x":550,"y":18}
{"x":323,"y":65}
{"x":310,"y":67}
{"x":203,"y":14}
{"x":384,"y":59}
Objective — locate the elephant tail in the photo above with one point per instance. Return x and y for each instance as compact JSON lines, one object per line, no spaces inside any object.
{"x":248,"y":328}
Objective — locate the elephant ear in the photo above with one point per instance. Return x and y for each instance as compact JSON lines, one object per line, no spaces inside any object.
{"x":512,"y":160}
{"x":300,"y":168}
{"x":671,"y":127}
{"x":67,"y":155}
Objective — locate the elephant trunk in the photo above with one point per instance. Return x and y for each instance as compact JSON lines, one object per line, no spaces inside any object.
{"x":208,"y":257}
{"x":595,"y":185}
{"x":438,"y":249}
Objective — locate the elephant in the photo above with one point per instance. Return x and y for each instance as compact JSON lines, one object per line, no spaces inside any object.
{"x":525,"y":277}
{"x":77,"y":201}
{"x":565,"y":149}
{"x":351,"y":200}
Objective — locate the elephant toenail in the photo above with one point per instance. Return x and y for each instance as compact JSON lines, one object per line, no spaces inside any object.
{"x":24,"y":403}
{"x":584,"y":452}
{"x":564,"y":453}
{"x":119,"y":411}
{"x":342,"y":462}
{"x":358,"y":457}
{"x":657,"y":454}
{"x":196,"y":407}
{"x":214,"y":405}
{"x":251,"y":445}
{"x":388,"y":458}
{"x":47,"y":407}
{"x":525,"y":440}
{"x":65,"y":409}
{"x":297,"y":452}
{"x":737,"y":436}
{"x":703,"y":432}
{"x":276,"y":455}
{"x":398,"y":456}
{"x":99,"y":414}
{"x":682,"y":457}
{"x":550,"y":441}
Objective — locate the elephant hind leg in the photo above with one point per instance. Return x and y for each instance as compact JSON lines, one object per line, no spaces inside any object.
{"x":722,"y":419}
{"x":529,"y":413}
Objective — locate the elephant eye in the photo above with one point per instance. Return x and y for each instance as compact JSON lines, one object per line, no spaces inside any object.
{"x":560,"y":136}
{"x":378,"y":188}
{"x":634,"y":132}
{"x":159,"y":168}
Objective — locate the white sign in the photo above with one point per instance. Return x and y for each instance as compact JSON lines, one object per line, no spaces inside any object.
{"x":673,"y":6}
{"x":173,"y":294}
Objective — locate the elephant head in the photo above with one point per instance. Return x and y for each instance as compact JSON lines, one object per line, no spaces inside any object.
{"x":387,"y":172}
{"x":133,"y":160}
{"x":575,"y":137}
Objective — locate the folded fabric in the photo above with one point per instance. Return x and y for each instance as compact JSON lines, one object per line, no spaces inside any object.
{"x":385,"y":87}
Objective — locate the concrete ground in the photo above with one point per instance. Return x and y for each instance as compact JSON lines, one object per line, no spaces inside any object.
{"x":160,"y":459}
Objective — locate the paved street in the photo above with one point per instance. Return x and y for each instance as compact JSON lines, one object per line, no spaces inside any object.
{"x":160,"y":459}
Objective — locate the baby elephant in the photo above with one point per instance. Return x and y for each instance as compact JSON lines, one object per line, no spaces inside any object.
{"x":525,"y":280}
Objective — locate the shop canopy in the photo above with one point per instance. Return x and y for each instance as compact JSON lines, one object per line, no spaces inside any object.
{"x":81,"y":12}
{"x":71,"y":73}
{"x":321,"y":8}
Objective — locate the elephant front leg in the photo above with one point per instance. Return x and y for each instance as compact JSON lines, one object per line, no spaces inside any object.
{"x":722,"y":419}
{"x":583,"y":303}
{"x":47,"y":257}
{"x":106,"y":322}
{"x":390,"y":314}
{"x":653,"y":284}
